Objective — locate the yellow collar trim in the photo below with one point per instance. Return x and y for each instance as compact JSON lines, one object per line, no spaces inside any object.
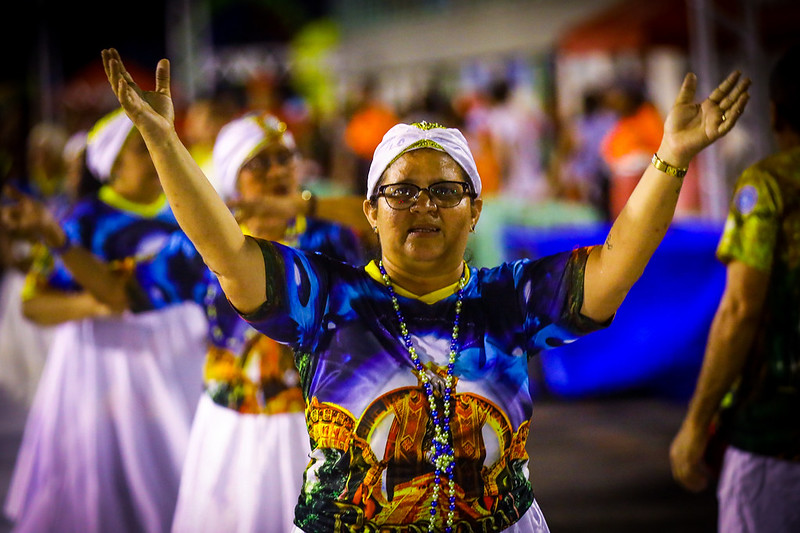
{"x":114,"y":199}
{"x":297,"y":227}
{"x":430,"y":298}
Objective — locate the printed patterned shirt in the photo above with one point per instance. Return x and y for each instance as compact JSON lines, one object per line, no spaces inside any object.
{"x":763,"y":231}
{"x":244,"y":370}
{"x":366,"y":412}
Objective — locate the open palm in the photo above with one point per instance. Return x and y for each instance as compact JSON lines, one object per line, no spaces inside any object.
{"x":690,"y":127}
{"x":150,"y":111}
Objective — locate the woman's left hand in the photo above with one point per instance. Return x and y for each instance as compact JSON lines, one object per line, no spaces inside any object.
{"x":25,"y":216}
{"x":690,"y":127}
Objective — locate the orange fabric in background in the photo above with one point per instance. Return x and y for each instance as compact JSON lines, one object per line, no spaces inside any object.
{"x":627,"y":150}
{"x":367,"y":127}
{"x":640,"y":132}
{"x":486,"y":163}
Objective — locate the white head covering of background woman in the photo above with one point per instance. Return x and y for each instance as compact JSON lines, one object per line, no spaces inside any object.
{"x":104,"y":143}
{"x":240,"y":140}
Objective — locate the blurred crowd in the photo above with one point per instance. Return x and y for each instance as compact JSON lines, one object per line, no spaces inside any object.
{"x":523,"y":149}
{"x":525,"y":154}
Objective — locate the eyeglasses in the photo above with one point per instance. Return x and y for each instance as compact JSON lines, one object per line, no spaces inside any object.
{"x":264,"y":161}
{"x":442,"y":194}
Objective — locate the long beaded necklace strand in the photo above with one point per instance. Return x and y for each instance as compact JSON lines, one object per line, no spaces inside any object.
{"x":441,"y":450}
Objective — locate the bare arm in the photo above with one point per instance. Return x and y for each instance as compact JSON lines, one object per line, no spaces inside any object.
{"x":30,"y":218}
{"x":97,"y":278}
{"x":730,"y":339}
{"x":55,"y":307}
{"x":613,"y":268}
{"x":200,"y":211}
{"x":345,"y":209}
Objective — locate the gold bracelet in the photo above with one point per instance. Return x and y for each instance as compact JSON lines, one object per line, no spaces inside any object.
{"x":666,"y":168}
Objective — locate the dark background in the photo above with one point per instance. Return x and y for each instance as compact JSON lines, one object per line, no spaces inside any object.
{"x":76,"y":31}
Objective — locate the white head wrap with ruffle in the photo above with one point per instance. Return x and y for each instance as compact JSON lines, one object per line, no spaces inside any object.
{"x":403,"y":138}
{"x":104,"y":143}
{"x":241,"y":139}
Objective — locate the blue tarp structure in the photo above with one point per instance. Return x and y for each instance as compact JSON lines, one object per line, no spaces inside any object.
{"x":657,"y":339}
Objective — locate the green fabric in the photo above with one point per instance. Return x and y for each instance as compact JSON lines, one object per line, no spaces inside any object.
{"x":486,"y":244}
{"x":763,"y":231}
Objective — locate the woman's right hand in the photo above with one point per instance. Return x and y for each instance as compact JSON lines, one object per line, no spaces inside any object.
{"x":152,"y":112}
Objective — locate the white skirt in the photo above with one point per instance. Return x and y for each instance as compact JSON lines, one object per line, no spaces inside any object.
{"x":23,"y":344}
{"x":107,"y":433}
{"x":243,"y":472}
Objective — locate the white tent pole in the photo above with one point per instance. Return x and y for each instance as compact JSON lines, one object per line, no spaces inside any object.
{"x":713,"y":194}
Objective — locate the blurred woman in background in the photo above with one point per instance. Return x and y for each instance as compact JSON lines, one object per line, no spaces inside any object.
{"x":106,"y":436}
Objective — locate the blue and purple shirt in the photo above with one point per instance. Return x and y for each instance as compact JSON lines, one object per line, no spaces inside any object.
{"x":367,"y":413}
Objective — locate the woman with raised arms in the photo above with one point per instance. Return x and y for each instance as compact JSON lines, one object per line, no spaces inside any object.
{"x":415,"y":368}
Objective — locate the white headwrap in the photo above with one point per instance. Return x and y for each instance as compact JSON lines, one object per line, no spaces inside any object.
{"x":104,"y":143}
{"x":241,"y":139}
{"x":403,"y":138}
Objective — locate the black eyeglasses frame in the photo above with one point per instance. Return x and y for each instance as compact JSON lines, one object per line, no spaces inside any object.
{"x":467,"y":191}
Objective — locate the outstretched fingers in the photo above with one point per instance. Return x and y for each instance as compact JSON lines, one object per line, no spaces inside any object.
{"x":122,"y":72}
{"x":125,"y":89}
{"x":688,"y":89}
{"x":722,"y":90}
{"x":725,"y":104}
{"x":733,"y":113}
{"x":108,"y":66}
{"x":162,"y":77}
{"x":120,"y":79}
{"x":733,"y":96}
{"x":106,"y":55}
{"x":112,"y":65}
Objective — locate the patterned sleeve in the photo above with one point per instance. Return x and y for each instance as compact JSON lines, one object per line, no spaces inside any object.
{"x":175,"y":274}
{"x":751,"y":229}
{"x":294,"y":300}
{"x":551,"y":292}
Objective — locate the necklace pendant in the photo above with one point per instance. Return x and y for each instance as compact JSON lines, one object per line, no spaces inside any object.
{"x":437,"y":377}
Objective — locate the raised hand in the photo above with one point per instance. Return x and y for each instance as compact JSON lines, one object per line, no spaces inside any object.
{"x":152,"y":112}
{"x":690,"y":127}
